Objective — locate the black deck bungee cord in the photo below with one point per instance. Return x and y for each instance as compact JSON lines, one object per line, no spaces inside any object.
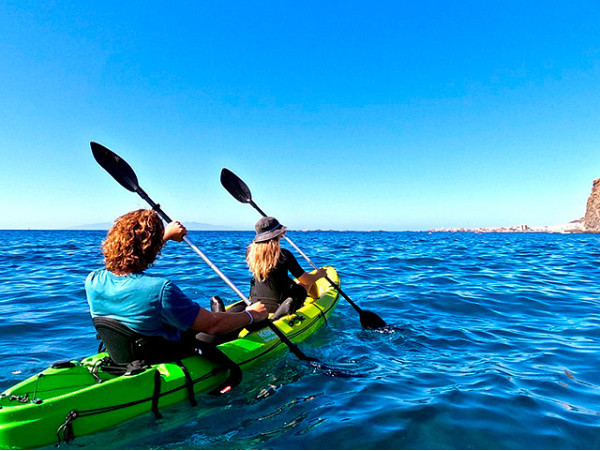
{"x":67,"y":427}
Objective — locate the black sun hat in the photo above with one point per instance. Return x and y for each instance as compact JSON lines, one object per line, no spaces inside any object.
{"x":268,"y":228}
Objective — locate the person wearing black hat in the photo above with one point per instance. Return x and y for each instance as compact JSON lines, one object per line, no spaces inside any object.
{"x":270,"y":264}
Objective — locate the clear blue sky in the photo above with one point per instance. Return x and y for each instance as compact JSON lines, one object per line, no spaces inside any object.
{"x":364,"y":115}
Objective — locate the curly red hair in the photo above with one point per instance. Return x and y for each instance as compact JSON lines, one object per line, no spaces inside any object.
{"x":133,"y":242}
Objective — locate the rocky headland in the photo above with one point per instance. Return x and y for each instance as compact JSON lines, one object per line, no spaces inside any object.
{"x":590,"y":223}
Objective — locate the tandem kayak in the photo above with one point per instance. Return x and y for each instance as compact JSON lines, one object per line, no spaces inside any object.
{"x":76,"y":398}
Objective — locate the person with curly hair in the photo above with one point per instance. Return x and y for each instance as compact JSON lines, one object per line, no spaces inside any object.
{"x":270,"y":264}
{"x":147,"y":304}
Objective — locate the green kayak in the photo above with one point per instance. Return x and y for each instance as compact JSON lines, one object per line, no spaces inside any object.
{"x":76,"y":398}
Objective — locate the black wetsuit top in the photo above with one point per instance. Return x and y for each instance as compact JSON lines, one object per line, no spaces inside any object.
{"x":279,"y":286}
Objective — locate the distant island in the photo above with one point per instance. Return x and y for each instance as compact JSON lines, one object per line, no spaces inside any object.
{"x":590,"y":223}
{"x":576,"y":226}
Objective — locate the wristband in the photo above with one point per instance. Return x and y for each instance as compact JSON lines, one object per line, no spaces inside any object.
{"x":251,"y":317}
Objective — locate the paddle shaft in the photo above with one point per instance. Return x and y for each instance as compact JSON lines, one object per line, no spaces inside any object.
{"x":156,"y":207}
{"x":120,"y":170}
{"x":333,"y":284}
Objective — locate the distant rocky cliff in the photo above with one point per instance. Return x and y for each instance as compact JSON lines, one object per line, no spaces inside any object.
{"x":589,"y":223}
{"x":591,"y":220}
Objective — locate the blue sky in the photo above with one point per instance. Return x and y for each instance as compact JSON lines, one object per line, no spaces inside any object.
{"x":338,"y":115}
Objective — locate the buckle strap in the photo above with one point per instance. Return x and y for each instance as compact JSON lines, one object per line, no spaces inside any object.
{"x":156,"y":395}
{"x":216,"y":355}
{"x":66,"y":429}
{"x":188,"y":383}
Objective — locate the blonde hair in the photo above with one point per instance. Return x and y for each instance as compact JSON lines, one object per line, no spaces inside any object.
{"x":262,"y":258}
{"x":133,"y":242}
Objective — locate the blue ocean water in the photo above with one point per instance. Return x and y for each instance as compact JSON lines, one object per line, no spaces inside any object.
{"x":495,"y":342}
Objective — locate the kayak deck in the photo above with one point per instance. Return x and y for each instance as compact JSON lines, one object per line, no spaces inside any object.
{"x":76,"y":398}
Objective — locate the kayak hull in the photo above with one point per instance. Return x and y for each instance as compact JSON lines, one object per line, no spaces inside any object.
{"x":76,"y":398}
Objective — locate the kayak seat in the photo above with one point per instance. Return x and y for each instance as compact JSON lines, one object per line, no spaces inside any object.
{"x":125,"y":345}
{"x":130,"y":351}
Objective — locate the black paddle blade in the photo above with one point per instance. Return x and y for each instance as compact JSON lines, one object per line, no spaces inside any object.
{"x":115,"y":166}
{"x":235,"y":186}
{"x":370,"y":320}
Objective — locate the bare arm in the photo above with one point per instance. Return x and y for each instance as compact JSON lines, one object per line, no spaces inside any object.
{"x":308,"y":281}
{"x":215,"y":323}
{"x":174,"y":231}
